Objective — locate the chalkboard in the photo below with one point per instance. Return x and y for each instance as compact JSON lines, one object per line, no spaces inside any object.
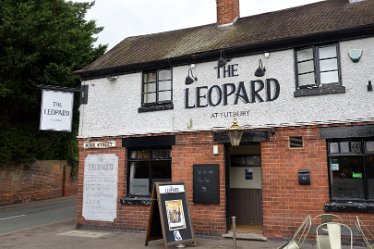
{"x":206,"y":183}
{"x":169,"y":216}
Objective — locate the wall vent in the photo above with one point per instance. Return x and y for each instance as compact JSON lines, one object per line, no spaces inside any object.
{"x":296,"y":142}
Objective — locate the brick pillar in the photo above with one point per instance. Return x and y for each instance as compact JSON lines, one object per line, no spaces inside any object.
{"x":227,"y":11}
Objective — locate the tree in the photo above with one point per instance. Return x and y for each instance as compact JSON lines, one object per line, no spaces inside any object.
{"x":41,"y":42}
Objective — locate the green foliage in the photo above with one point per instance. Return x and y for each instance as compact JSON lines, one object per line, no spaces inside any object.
{"x":41,"y":42}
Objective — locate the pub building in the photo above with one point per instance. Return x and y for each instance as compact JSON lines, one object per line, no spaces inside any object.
{"x":295,"y":84}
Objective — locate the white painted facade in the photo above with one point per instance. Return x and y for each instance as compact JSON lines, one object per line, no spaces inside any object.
{"x":112,"y":108}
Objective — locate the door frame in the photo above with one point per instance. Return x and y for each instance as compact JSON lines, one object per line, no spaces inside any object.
{"x":227,"y":180}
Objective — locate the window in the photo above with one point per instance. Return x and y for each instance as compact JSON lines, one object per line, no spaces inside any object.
{"x":157,"y":90}
{"x":351,"y":169}
{"x":318,"y":70}
{"x":145,"y":167}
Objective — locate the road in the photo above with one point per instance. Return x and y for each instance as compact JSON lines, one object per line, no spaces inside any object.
{"x":21,"y":216}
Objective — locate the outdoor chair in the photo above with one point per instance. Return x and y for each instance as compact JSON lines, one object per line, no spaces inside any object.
{"x":300,"y":235}
{"x":367,"y":236}
{"x":329,"y":235}
{"x":324,"y":218}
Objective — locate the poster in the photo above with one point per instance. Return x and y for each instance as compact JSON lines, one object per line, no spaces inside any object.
{"x":175,"y":215}
{"x":100,"y":187}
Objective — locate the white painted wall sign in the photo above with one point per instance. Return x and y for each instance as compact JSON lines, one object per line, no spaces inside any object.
{"x":100,"y":187}
{"x":56,"y":110}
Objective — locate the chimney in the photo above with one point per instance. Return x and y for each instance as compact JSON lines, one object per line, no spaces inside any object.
{"x":227,"y":11}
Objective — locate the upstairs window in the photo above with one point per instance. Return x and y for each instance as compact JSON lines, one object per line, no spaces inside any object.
{"x":318,"y":70}
{"x":157,"y":90}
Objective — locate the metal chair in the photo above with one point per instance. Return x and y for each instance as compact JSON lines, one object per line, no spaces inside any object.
{"x":324,"y":218}
{"x":331,"y":239}
{"x":367,"y":236}
{"x":300,"y":235}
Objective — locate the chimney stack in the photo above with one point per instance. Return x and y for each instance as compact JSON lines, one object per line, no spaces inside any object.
{"x":227,"y":11}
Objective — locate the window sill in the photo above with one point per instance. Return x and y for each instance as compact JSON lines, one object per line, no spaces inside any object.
{"x":362,"y":207}
{"x":322,"y":90}
{"x":135,"y":201}
{"x":154,"y":108}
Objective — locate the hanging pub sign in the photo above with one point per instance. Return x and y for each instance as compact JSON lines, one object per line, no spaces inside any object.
{"x":56,"y":112}
{"x":169,"y":217}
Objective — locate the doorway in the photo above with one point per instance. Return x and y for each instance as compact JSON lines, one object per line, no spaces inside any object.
{"x":245,"y":187}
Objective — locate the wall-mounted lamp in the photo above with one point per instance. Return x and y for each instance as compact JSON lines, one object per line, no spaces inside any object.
{"x":260,"y":71}
{"x":190,"y":77}
{"x":221,"y":61}
{"x":370,"y":86}
{"x":112,"y":78}
{"x":235,"y":133}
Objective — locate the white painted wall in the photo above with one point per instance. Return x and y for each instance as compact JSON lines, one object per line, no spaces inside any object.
{"x":112,"y":107}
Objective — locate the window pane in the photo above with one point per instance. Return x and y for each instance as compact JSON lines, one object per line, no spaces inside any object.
{"x":305,"y":54}
{"x":164,"y":85}
{"x":347,"y":177}
{"x":147,"y":154}
{"x":150,"y":98}
{"x":344,"y":147}
{"x":327,"y":52}
{"x":149,"y":77}
{"x":164,"y":75}
{"x":139,"y":178}
{"x":161,"y":154}
{"x":370,"y":175}
{"x":329,"y":64}
{"x":369,"y":146}
{"x":304,"y":67}
{"x":150,"y":87}
{"x":161,"y":171}
{"x":164,"y":96}
{"x":334,"y":147}
{"x":306,"y":79}
{"x":356,"y":147}
{"x":329,"y":77}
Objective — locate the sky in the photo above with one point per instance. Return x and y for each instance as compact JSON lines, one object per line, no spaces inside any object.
{"x":125,"y":18}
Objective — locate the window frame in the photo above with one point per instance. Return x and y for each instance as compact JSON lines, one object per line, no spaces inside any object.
{"x":362,"y":155}
{"x":157,"y":91}
{"x":149,"y":164}
{"x":318,"y":88}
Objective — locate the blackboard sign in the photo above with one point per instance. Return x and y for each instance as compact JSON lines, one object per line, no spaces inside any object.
{"x":169,"y":216}
{"x":206,"y":183}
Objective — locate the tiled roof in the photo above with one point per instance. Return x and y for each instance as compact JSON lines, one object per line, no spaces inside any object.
{"x":310,"y":20}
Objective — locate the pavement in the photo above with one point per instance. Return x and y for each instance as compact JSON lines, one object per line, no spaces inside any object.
{"x":64,"y":235}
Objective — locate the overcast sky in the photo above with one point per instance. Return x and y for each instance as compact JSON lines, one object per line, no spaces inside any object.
{"x":124,"y":18}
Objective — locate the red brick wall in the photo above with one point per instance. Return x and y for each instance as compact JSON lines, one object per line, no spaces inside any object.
{"x":190,"y":148}
{"x":197,"y":148}
{"x":39,"y":180}
{"x":285,"y":202}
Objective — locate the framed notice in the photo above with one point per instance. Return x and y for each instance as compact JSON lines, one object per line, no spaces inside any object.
{"x":56,"y":112}
{"x":175,"y":214}
{"x":206,"y":183}
{"x":100,"y":187}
